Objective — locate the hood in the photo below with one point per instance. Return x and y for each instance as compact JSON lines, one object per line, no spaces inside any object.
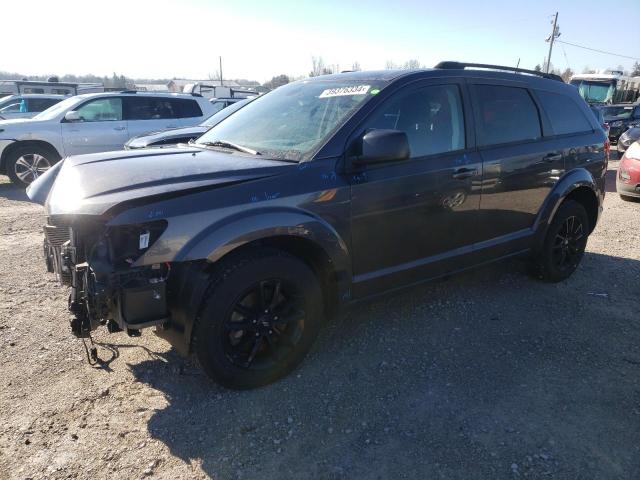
{"x":143,"y":141}
{"x":92,"y":184}
{"x":15,"y":121}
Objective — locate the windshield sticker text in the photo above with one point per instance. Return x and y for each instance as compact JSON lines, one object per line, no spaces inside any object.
{"x":344,"y":91}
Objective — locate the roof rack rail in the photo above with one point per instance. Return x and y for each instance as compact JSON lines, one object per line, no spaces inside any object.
{"x":128,"y":91}
{"x":463,"y":65}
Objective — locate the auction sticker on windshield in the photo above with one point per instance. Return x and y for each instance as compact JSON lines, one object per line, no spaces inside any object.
{"x":344,"y":91}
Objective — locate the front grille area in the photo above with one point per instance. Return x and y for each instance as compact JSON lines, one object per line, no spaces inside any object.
{"x":56,"y":236}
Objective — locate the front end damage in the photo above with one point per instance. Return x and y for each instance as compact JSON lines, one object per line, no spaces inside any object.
{"x":98,"y":263}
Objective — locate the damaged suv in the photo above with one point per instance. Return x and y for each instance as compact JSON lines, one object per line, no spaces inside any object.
{"x":323,"y":192}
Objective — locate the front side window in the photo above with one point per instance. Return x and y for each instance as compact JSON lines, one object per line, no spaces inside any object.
{"x":101,"y":110}
{"x":293,"y":121}
{"x":564,"y":114}
{"x":431,"y":117}
{"x":506,"y":114}
{"x":150,"y":108}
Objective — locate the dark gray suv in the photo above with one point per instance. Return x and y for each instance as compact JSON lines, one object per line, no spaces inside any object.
{"x":323,"y":192}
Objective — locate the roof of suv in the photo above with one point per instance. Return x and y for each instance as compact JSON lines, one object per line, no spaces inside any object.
{"x":447,"y":69}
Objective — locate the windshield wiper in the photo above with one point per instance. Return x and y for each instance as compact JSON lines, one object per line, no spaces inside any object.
{"x":233,"y":146}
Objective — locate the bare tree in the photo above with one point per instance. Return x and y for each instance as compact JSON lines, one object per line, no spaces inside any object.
{"x":318,"y":67}
{"x":588,"y":69}
{"x":412,"y":64}
{"x":567,"y":74}
{"x":636,"y":70}
{"x":356,"y":66}
{"x":277,"y":81}
{"x":389,"y":65}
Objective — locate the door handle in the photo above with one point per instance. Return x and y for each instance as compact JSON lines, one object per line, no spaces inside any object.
{"x":552,"y":157}
{"x":460,"y":173}
{"x":119,"y":129}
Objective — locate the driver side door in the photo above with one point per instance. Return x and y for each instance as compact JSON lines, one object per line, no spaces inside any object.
{"x":101,"y":127}
{"x":411,"y":218}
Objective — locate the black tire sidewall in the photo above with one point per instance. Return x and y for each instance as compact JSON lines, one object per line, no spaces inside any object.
{"x":549,"y":271}
{"x":13,"y":157}
{"x":209,"y":328}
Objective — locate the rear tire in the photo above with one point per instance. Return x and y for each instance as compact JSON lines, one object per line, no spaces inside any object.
{"x":25,"y":164}
{"x":564,"y":243}
{"x":259,"y":318}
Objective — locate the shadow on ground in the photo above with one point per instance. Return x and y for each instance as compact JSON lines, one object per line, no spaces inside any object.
{"x":488,"y":374}
{"x":11,"y":192}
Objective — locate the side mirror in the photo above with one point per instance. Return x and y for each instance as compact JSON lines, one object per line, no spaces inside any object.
{"x":72,"y":116}
{"x":383,"y":146}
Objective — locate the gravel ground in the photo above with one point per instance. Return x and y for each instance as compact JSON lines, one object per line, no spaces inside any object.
{"x":487,"y":374}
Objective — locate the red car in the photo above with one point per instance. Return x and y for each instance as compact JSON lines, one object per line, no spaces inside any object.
{"x":628,"y":178}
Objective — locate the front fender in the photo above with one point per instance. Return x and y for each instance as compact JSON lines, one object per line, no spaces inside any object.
{"x":577,"y":178}
{"x":222,"y":237}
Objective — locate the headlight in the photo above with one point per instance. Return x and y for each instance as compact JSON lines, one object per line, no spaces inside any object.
{"x":129,"y":242}
{"x":624,"y":175}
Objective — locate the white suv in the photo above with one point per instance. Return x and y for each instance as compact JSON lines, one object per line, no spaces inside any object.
{"x":26,"y":106}
{"x":90,"y":123}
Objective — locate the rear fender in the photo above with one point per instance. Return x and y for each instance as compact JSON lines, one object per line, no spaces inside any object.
{"x":573,"y":180}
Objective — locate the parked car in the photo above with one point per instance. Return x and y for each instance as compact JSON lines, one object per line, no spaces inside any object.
{"x":628,"y":137}
{"x":317,"y":194}
{"x":620,"y":118}
{"x":174,"y":136}
{"x":628,"y":178}
{"x":220,"y":104}
{"x":26,"y":106}
{"x":97,"y":122}
{"x":597,"y":112}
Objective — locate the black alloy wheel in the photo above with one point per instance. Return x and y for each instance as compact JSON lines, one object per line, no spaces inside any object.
{"x":264,"y":324}
{"x":259,"y":317}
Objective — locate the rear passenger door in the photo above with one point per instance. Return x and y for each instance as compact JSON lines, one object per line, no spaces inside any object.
{"x":520,"y":166}
{"x":146,"y":114}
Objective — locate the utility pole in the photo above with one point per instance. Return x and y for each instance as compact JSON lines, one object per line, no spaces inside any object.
{"x":555,"y":33}
{"x":221,"y":83}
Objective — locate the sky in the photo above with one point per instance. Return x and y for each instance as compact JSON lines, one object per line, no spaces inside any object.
{"x":260,"y":39}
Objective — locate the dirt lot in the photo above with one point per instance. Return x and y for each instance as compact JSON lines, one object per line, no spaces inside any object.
{"x":488,"y":374}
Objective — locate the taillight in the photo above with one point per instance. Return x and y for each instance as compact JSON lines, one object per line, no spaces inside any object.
{"x":607,"y":148}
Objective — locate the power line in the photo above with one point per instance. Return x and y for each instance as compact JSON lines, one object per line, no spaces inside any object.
{"x":599,"y":51}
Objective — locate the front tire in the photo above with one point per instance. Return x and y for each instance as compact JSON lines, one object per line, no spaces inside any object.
{"x":25,"y":164}
{"x":260,"y":316}
{"x":564,"y":243}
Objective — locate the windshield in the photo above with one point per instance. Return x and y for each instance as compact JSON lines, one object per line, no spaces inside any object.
{"x":595,"y":91}
{"x":293,"y":121}
{"x":222,"y":114}
{"x":617,"y":112}
{"x":4,"y":102}
{"x":56,"y":109}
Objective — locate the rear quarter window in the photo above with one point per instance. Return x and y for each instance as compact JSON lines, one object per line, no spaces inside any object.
{"x":188,"y":108}
{"x":565,"y":115}
{"x":505,"y":115}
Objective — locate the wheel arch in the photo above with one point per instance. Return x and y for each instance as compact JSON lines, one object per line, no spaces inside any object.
{"x":24,"y":143}
{"x":300,"y":234}
{"x":578,"y":185}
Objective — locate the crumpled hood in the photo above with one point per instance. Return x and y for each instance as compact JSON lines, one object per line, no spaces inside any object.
{"x":92,"y":184}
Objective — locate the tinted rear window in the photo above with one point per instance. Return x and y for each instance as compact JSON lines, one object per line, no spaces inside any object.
{"x":565,"y":115}
{"x":187,"y":108}
{"x":506,"y":114}
{"x":41,"y":104}
{"x":150,"y":108}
